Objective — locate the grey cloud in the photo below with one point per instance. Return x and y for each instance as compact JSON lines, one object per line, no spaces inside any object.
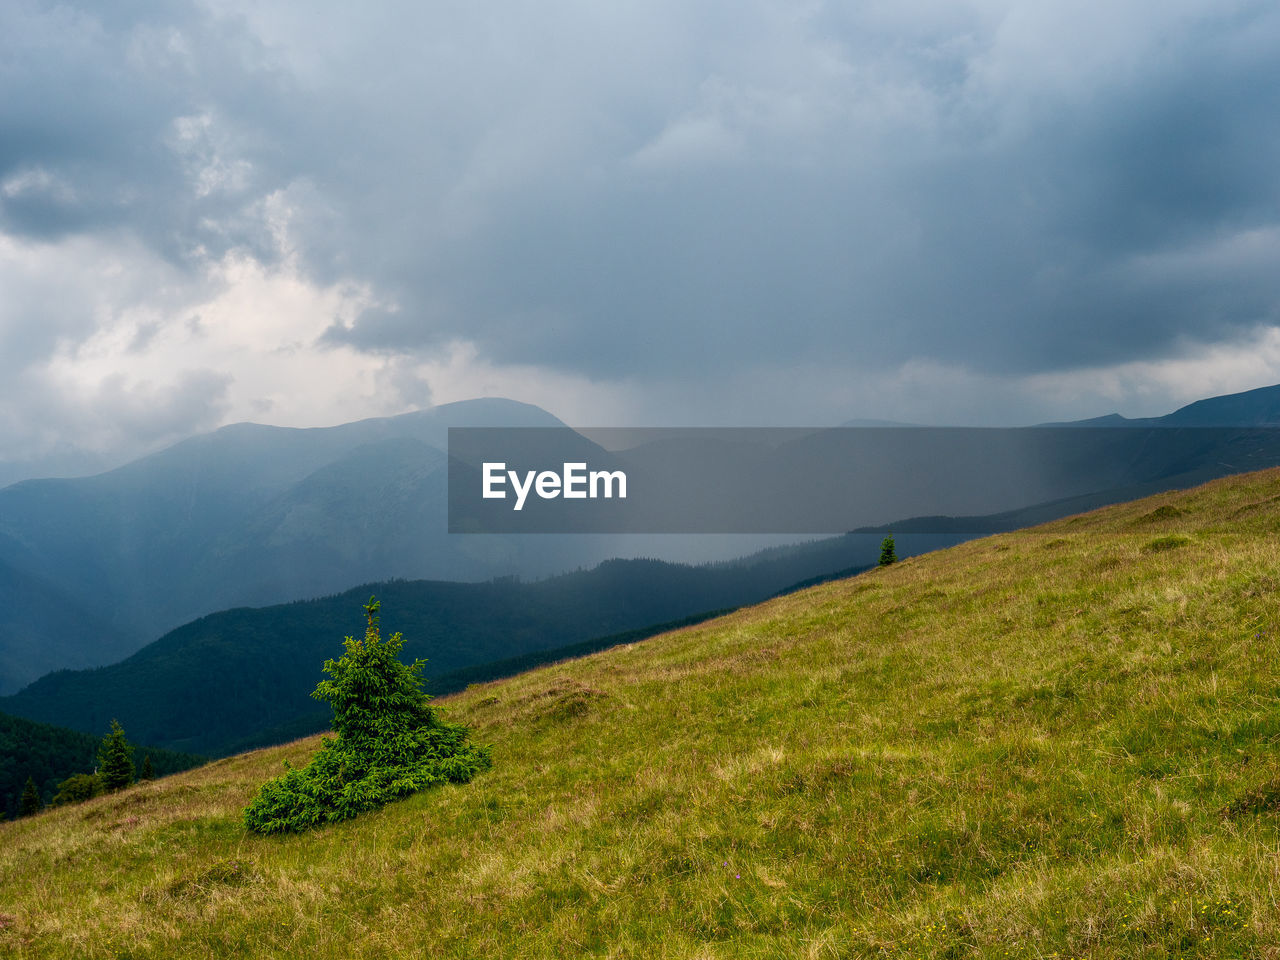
{"x":921,"y":209}
{"x":667,"y":190}
{"x":95,"y":101}
{"x":379,"y":330}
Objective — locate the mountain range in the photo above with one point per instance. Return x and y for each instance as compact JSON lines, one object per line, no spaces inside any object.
{"x":94,"y":568}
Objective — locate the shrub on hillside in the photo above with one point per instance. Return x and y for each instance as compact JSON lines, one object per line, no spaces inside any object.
{"x":77,"y":789}
{"x":389,"y":742}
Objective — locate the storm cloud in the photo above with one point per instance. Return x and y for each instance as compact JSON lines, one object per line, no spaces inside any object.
{"x":708,"y":212}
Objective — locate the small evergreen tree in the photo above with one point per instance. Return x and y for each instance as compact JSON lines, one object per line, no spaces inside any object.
{"x":115,"y":759}
{"x":148,"y":771}
{"x":887,"y":553}
{"x":30,"y":802}
{"x":389,"y":742}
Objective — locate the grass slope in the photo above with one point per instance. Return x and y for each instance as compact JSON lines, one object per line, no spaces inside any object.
{"x":1061,"y":742}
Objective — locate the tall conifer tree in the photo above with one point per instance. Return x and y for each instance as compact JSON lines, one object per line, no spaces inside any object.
{"x":115,"y":759}
{"x":30,"y":802}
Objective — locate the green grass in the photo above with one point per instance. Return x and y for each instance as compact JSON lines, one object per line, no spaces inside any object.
{"x":1059,"y":742}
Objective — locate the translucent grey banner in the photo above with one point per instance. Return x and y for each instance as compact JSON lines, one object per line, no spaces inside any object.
{"x":800,"y":481}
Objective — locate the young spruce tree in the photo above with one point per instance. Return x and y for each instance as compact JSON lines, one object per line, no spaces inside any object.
{"x":389,"y":742}
{"x":115,"y":760}
{"x":30,"y":802}
{"x":887,"y":553}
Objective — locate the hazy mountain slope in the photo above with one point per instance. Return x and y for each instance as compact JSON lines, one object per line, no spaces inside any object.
{"x":1054,"y":742}
{"x":1252,"y":408}
{"x":247,"y":514}
{"x":367,"y":511}
{"x":1262,"y":456}
{"x":58,"y":463}
{"x":257,"y":515}
{"x":31,"y":610}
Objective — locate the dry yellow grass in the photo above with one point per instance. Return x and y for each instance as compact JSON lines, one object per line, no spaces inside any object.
{"x":1060,"y":742}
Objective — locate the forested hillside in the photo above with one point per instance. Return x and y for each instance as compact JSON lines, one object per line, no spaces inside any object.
{"x":49,"y":754}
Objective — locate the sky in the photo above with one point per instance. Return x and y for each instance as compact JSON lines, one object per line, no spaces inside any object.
{"x":699,"y":212}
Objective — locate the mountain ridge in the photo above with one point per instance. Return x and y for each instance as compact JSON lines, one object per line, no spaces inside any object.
{"x":256,"y":515}
{"x":228,"y":677}
{"x":1259,"y":407}
{"x":186,"y":531}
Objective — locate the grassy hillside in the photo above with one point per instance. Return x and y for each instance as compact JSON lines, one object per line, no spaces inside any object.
{"x":1062,"y":742}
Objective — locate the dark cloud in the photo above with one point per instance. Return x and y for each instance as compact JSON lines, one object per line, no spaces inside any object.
{"x":137,"y":116}
{"x":662,"y":191}
{"x":936,"y":197}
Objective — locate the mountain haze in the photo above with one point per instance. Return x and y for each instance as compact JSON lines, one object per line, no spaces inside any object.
{"x":249,"y":514}
{"x":96,"y":567}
